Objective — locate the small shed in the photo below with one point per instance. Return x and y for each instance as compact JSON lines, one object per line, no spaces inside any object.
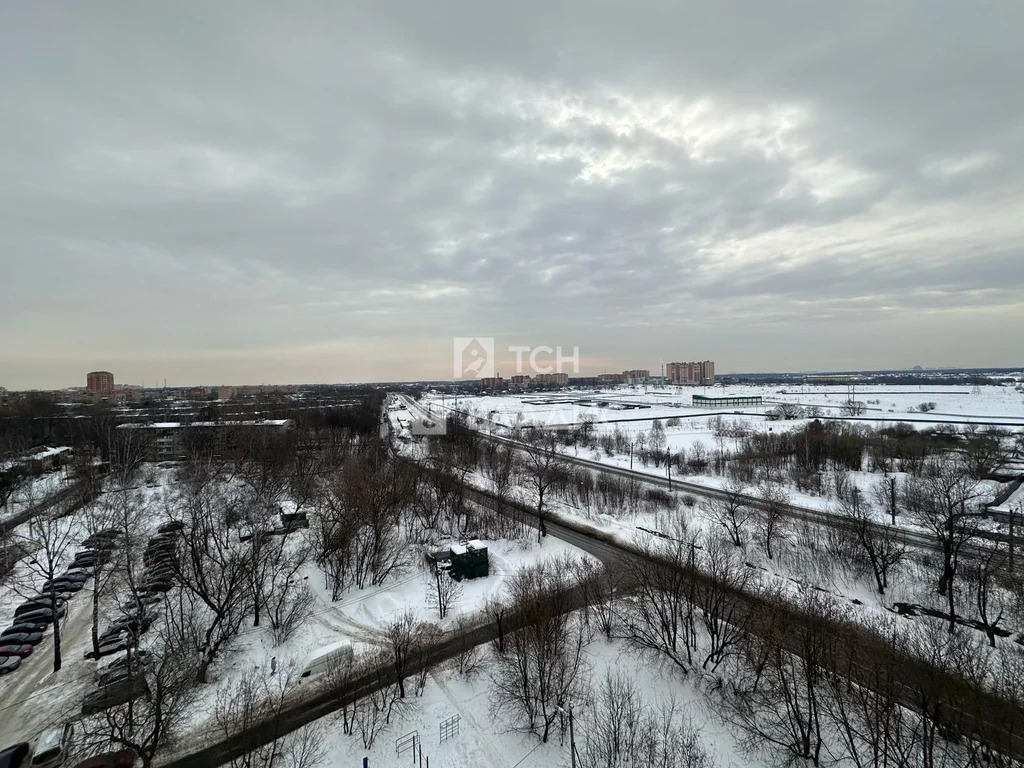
{"x":467,"y":560}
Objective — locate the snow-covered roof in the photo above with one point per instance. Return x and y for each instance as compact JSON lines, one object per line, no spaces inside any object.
{"x":178,"y":424}
{"x":476,"y":544}
{"x":458,"y":549}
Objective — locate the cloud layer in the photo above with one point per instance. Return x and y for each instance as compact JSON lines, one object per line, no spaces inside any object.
{"x":238,"y":192}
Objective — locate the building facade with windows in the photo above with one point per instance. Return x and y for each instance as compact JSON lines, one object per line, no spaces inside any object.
{"x":690,"y":373}
{"x":99,"y":383}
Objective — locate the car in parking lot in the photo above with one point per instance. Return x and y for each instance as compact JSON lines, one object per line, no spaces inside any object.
{"x":113,"y":695}
{"x":9,"y":664}
{"x":109,"y":648}
{"x":14,"y":755}
{"x":62,"y":587}
{"x":16,"y":649}
{"x":41,"y":604}
{"x":21,"y":638}
{"x":137,"y":658}
{"x":170,"y":526}
{"x":125,"y":758}
{"x":79,"y":570}
{"x":39,"y":616}
{"x":135,"y":624}
{"x":24,"y":626}
{"x":81,"y":577}
{"x":52,"y":746}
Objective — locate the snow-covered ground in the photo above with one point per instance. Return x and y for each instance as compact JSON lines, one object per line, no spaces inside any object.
{"x":485,"y":741}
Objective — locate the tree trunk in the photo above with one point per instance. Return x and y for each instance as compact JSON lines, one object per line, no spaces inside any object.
{"x":57,"y":660}
{"x":95,"y":631}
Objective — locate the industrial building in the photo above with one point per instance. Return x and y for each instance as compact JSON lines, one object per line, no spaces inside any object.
{"x":700,"y":401}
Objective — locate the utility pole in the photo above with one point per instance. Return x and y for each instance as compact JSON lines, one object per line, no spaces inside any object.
{"x":892,"y":498}
{"x":668,"y":467}
{"x":1019,"y":508}
{"x":572,"y":737}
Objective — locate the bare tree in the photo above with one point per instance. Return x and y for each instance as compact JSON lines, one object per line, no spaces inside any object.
{"x":468,"y":660}
{"x":258,"y":699}
{"x":542,"y":666}
{"x":723,"y":613}
{"x":442,"y":591}
{"x":730,"y":511}
{"x":659,"y":616}
{"x":942,"y":499}
{"x":770,"y":513}
{"x":991,"y":599}
{"x":49,"y":542}
{"x":779,"y":699}
{"x":406,"y":640}
{"x":167,"y":688}
{"x":545,"y":468}
{"x":215,"y":571}
{"x":881,"y":547}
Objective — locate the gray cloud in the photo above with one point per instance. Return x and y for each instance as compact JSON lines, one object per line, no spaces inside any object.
{"x":236,"y":192}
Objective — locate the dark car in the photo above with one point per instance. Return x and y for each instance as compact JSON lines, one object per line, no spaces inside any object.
{"x":9,"y":664}
{"x":21,"y":638}
{"x":100,"y":540}
{"x":63,"y":586}
{"x":75,"y":576}
{"x":155,"y":587}
{"x":113,"y":695}
{"x":39,"y":616}
{"x":123,"y":759}
{"x":15,"y":649}
{"x":138,"y":658}
{"x":14,"y":755}
{"x":170,"y":526}
{"x":109,"y":647}
{"x":137,"y":624}
{"x":24,"y":626}
{"x":42,"y":604}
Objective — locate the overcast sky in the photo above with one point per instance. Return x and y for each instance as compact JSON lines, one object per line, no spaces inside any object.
{"x":218,"y":192}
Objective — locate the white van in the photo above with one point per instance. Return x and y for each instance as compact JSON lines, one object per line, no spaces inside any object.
{"x":330,"y":658}
{"x":52,"y":746}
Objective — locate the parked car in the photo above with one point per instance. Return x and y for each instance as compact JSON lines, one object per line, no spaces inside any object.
{"x":36,"y":604}
{"x":16,"y":649}
{"x":39,"y":615}
{"x":52,"y":746}
{"x":132,"y":623}
{"x":21,"y":638}
{"x":113,"y":695}
{"x":24,"y":626}
{"x":100,"y":539}
{"x":79,"y":577}
{"x":123,"y":759}
{"x":141,"y":658}
{"x":170,"y":526}
{"x":114,"y":676}
{"x":9,"y":664}
{"x":63,"y":587}
{"x":79,"y":570}
{"x":14,"y":755}
{"x":108,"y":648}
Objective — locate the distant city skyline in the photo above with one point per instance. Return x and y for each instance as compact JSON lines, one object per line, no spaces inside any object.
{"x":224,"y":193}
